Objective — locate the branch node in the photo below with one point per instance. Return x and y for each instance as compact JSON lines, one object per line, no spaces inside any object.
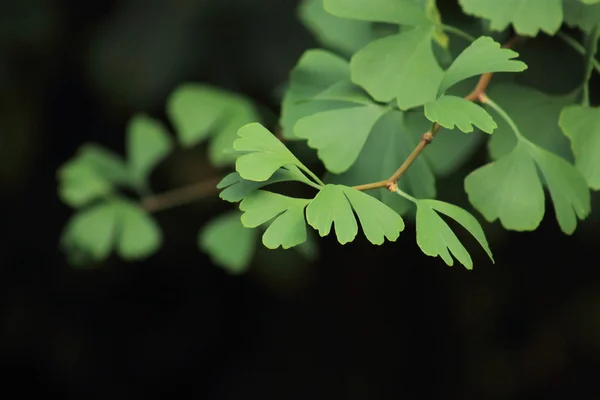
{"x":392,"y":186}
{"x":427,"y":137}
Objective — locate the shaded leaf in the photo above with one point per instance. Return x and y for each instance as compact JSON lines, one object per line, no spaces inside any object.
{"x":582,"y":126}
{"x":584,"y":15}
{"x":404,"y":12}
{"x":138,"y":236}
{"x":229,"y":244}
{"x":450,"y":111}
{"x":527,"y":16}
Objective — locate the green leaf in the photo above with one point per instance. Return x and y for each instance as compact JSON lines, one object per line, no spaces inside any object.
{"x":535,"y":113}
{"x":390,"y":142}
{"x":339,"y":135}
{"x":147,"y":144}
{"x":265,"y":154}
{"x":449,"y":111}
{"x":235,"y":188}
{"x":508,"y":189}
{"x":139,"y":236}
{"x":334,"y":204}
{"x":436,"y":238}
{"x":482,"y":56}
{"x":403,"y":12}
{"x":316,"y":71}
{"x":450,"y":150}
{"x":91,"y":231}
{"x":288,"y":228}
{"x":582,"y":126}
{"x":229,"y":244}
{"x":93,"y":173}
{"x":344,"y":35}
{"x":527,"y":16}
{"x":584,"y":15}
{"x":567,"y":187}
{"x":400,"y":66}
{"x":199,"y":111}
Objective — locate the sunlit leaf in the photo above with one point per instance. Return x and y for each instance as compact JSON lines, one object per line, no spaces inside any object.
{"x":450,"y":111}
{"x":527,"y":16}
{"x":582,"y":125}
{"x":229,"y":244}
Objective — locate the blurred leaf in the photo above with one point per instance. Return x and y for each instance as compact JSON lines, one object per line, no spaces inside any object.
{"x":148,"y":143}
{"x":582,"y":14}
{"x":229,"y":244}
{"x":138,"y":236}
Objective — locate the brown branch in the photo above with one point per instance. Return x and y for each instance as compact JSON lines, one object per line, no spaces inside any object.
{"x":180,"y":196}
{"x":476,"y":94}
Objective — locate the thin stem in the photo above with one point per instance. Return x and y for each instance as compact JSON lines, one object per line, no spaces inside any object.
{"x":180,"y":196}
{"x":458,"y":32}
{"x":486,"y":100}
{"x":405,"y":195}
{"x":578,"y":47}
{"x":315,"y":177}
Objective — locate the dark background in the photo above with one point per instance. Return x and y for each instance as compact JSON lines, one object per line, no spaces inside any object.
{"x":363,"y":322}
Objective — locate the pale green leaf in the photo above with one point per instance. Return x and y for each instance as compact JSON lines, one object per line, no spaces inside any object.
{"x":265,"y":154}
{"x":390,"y":142}
{"x":81,"y":184}
{"x":404,"y":12}
{"x":568,"y":188}
{"x":235,"y":188}
{"x":535,"y":113}
{"x":482,"y":56}
{"x":229,"y":244}
{"x":138,"y":236}
{"x":220,"y":149}
{"x":341,"y":34}
{"x":91,"y":231}
{"x":288,"y":228}
{"x":527,"y":16}
{"x":400,"y":66}
{"x":105,"y":163}
{"x":509,"y":189}
{"x":450,"y":111}
{"x":148,"y":144}
{"x":339,"y":135}
{"x":582,"y":126}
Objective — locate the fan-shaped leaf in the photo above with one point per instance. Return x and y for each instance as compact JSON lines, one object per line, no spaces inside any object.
{"x":449,"y":111}
{"x":138,"y":236}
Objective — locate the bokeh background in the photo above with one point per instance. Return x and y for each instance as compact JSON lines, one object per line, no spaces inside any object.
{"x":362,"y":322}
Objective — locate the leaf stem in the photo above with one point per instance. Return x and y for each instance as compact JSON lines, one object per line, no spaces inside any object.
{"x":476,"y":95}
{"x":180,"y":196}
{"x":405,"y":195}
{"x":578,"y":47}
{"x":486,"y":100}
{"x":315,"y":177}
{"x":458,"y":32}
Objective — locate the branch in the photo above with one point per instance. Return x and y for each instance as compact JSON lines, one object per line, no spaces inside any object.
{"x":180,"y":196}
{"x":476,"y":95}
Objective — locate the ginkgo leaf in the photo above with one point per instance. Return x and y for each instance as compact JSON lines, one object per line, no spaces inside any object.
{"x":527,"y":16}
{"x":404,"y":12}
{"x":201,"y":111}
{"x":316,"y":71}
{"x":508,"y":189}
{"x":339,"y":135}
{"x":568,"y":188}
{"x":436,"y":238}
{"x":138,"y":235}
{"x":235,"y":188}
{"x":482,"y":56}
{"x":535,"y":113}
{"x":265,"y":154}
{"x":148,"y":143}
{"x":584,"y":15}
{"x":91,"y":231}
{"x":393,"y":137}
{"x":341,"y":34}
{"x":450,"y":111}
{"x":400,"y":66}
{"x":288,"y":228}
{"x":581,"y":125}
{"x":93,"y":173}
{"x":334,"y":204}
{"x":229,"y":244}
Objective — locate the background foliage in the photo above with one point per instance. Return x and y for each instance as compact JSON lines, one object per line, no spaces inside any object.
{"x":75,"y":74}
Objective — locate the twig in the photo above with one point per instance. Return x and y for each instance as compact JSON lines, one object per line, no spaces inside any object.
{"x":476,"y":94}
{"x":180,"y":196}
